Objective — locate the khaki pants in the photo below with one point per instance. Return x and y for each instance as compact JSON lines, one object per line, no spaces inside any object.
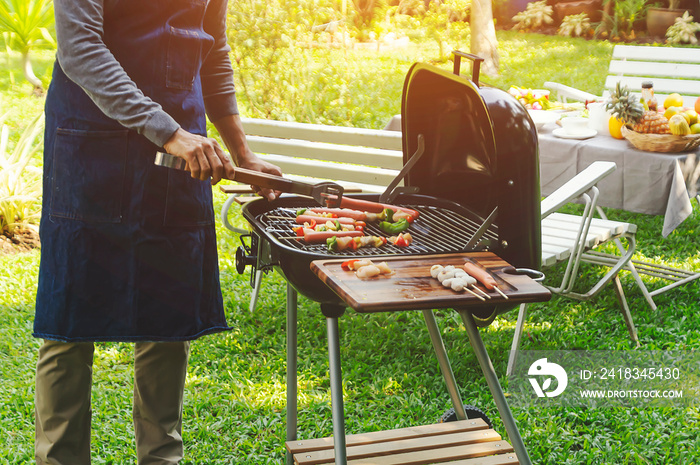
{"x":63,"y":397}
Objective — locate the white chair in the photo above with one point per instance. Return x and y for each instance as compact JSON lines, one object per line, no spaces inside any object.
{"x":572,"y":239}
{"x":672,"y":69}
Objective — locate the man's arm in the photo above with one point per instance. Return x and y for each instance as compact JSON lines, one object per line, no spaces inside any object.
{"x":87,"y":61}
{"x":233,"y":135}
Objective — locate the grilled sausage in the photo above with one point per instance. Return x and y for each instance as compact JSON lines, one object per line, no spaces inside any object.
{"x":375,"y":207}
{"x":358,"y":204}
{"x":319,"y":237}
{"x":343,"y":212}
{"x":301,"y":219}
{"x":480,"y":275}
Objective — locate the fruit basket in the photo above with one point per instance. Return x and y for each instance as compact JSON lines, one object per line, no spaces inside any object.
{"x":667,"y":143}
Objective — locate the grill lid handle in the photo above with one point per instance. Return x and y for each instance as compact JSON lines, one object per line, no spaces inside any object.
{"x":475,"y":69}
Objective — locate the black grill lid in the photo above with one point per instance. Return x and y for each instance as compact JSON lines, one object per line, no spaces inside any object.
{"x":480,"y":152}
{"x":454,"y":121}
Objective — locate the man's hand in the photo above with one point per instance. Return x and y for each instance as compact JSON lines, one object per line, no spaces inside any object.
{"x":204,"y":156}
{"x":252,"y":162}
{"x":231,"y":130}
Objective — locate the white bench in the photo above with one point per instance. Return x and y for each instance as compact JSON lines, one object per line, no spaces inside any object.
{"x":368,"y":159}
{"x":671,"y":69}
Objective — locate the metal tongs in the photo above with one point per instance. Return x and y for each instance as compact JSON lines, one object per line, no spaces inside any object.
{"x":327,"y":194}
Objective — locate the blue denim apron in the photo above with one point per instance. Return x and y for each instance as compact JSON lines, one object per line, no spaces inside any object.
{"x":129,"y":248}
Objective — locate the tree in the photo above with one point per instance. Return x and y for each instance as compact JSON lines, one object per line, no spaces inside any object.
{"x":483,"y":36}
{"x":27,"y":25}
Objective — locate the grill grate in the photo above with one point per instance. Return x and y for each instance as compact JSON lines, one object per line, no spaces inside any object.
{"x":437,"y":230}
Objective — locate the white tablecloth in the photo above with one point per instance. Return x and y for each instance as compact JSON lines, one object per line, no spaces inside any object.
{"x":644,"y":182}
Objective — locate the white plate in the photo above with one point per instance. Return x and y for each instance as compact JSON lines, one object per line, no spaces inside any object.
{"x":587,"y":134}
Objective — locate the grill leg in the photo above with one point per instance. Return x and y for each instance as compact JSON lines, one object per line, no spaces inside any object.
{"x":256,"y":290}
{"x":445,"y":367}
{"x":337,"y":406}
{"x":291,"y":368}
{"x":495,"y":387}
{"x":519,"y":325}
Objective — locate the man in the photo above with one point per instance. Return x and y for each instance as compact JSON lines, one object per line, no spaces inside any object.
{"x":129,"y":248}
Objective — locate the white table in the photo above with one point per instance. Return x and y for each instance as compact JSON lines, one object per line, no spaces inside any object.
{"x":644,"y":182}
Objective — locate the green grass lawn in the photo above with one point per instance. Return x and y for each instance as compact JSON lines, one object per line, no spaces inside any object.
{"x":235,"y":398}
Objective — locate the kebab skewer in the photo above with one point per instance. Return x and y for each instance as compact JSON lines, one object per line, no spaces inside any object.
{"x":483,"y":276}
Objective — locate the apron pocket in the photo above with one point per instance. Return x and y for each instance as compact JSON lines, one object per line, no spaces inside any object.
{"x":89,"y":170}
{"x":188,"y":201}
{"x":184,"y":50}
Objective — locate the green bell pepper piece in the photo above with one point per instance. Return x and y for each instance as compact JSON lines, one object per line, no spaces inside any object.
{"x":332,"y":244}
{"x":394,"y":228}
{"x":389,"y":215}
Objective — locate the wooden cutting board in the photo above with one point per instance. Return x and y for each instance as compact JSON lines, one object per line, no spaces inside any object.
{"x":411,"y":287}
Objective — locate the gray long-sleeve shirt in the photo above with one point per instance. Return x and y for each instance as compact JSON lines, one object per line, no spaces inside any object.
{"x":88,"y":62}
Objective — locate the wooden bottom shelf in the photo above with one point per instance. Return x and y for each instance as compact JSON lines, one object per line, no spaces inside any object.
{"x":467,"y":442}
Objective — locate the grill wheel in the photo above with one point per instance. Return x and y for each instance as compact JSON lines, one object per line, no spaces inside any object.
{"x":470,"y":410}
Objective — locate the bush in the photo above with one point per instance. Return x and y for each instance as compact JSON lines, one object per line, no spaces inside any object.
{"x":624,"y":18}
{"x":20,"y":183}
{"x":683,"y":30}
{"x":28,"y":25}
{"x":536,"y":16}
{"x":575,"y":25}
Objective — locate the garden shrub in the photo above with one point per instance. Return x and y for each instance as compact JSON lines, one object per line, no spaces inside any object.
{"x":20,"y":182}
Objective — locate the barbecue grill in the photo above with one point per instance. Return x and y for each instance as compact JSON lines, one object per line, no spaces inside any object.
{"x":462,"y":178}
{"x":471,"y":155}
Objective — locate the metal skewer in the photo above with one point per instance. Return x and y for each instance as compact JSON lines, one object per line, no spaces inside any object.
{"x":500,"y":292}
{"x":474,"y":294}
{"x":481,"y":292}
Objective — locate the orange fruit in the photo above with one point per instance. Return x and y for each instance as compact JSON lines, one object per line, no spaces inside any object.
{"x":673,"y":100}
{"x":697,"y":105}
{"x":615,"y":126}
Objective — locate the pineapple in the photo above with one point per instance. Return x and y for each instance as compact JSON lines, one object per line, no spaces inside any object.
{"x":652,"y":122}
{"x":625,"y":106}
